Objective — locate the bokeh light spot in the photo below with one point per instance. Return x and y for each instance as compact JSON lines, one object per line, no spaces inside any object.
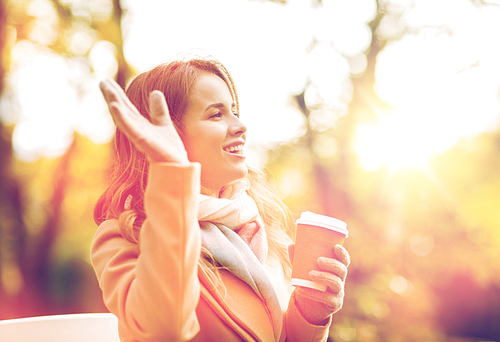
{"x":80,"y":42}
{"x":401,"y":286}
{"x":103,"y":59}
{"x":422,"y":245}
{"x":347,"y":333}
{"x":325,"y":146}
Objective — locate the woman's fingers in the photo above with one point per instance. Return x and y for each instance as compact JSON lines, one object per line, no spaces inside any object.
{"x":158,"y":109}
{"x":114,"y":94}
{"x":111,"y":91}
{"x":333,"y":266}
{"x":342,"y":255}
{"x":116,"y":101}
{"x":317,"y":305}
{"x":106,"y":92}
{"x":334,"y":283}
{"x":333,"y":272}
{"x":127,"y":120}
{"x":109,"y":97}
{"x":157,"y":139}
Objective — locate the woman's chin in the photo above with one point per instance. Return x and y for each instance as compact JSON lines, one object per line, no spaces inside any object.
{"x":216,"y":183}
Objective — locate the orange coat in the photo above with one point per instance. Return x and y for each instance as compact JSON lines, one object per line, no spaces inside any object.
{"x":159,"y":293}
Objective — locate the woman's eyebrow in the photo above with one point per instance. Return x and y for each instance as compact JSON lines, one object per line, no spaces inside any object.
{"x":218,"y":105}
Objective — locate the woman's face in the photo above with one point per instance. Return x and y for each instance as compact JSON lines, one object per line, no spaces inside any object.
{"x":213,"y":134}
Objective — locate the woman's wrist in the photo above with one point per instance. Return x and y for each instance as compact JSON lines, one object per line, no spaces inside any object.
{"x":180,"y":159}
{"x":308,"y":308}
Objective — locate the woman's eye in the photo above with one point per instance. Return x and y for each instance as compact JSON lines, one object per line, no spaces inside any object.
{"x":216,"y":115}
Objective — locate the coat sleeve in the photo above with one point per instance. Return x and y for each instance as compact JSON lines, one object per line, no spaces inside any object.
{"x":153,"y":287}
{"x":299,"y":330}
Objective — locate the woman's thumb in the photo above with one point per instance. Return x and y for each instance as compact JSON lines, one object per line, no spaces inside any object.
{"x":158,"y":109}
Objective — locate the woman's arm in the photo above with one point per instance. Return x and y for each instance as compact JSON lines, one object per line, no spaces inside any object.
{"x":298,"y":329}
{"x":153,"y":287}
{"x":310,"y":312}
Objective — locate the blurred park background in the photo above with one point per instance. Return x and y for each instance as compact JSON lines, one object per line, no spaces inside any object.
{"x":382,"y":113}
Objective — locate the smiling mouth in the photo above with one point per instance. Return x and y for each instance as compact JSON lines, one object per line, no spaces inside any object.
{"x":238,"y":149}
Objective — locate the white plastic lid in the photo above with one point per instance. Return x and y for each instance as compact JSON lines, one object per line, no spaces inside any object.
{"x":312,"y":219}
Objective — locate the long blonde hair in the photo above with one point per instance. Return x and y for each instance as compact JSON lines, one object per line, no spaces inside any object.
{"x":130,"y":170}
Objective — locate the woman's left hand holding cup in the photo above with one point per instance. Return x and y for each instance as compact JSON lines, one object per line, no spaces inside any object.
{"x":317,"y":306}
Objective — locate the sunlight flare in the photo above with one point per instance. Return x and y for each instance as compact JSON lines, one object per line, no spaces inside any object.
{"x":400,"y":139}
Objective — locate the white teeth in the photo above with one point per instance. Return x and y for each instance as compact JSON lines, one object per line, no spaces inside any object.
{"x":234,"y":149}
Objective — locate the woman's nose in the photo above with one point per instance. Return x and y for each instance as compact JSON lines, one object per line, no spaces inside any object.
{"x":237,"y":127}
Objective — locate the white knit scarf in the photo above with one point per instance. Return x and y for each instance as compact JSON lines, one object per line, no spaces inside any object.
{"x":233,"y":232}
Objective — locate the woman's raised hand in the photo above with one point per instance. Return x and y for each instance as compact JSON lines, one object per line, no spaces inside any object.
{"x":157,"y":139}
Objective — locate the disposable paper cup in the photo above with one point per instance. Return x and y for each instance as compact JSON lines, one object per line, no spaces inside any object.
{"x":316,"y":237}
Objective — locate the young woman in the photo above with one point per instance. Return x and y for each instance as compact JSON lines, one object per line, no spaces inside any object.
{"x":191,"y":245}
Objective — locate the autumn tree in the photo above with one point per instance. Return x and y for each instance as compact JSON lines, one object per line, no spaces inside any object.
{"x":34,"y":281}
